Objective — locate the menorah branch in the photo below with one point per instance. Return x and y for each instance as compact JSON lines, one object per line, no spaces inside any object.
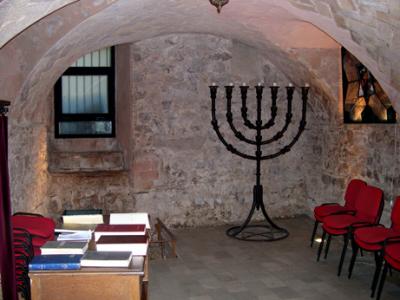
{"x":229,"y":116}
{"x":274,"y":108}
{"x":247,"y":122}
{"x":279,"y":134}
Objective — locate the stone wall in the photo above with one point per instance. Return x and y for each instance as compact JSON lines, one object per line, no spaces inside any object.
{"x":179,"y":171}
{"x":174,"y":167}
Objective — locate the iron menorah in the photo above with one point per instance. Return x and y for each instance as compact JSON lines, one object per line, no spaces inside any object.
{"x":266,"y":230}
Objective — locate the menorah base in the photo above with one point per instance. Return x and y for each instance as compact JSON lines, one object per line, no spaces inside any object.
{"x":257,"y":233}
{"x":266,"y":231}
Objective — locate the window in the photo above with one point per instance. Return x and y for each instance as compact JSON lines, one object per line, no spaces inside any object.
{"x":84,"y":97}
{"x":364,"y":99}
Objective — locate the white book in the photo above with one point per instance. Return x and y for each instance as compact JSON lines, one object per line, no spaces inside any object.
{"x":83,"y":219}
{"x":106,"y":259}
{"x":71,"y":228}
{"x":75,"y":236}
{"x":130,"y":218}
{"x":136,"y":244}
{"x":63,"y":247}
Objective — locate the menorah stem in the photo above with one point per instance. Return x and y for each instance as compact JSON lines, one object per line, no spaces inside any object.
{"x":259,"y":91}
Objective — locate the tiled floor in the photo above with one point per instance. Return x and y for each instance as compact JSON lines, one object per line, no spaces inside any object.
{"x":212,"y":266}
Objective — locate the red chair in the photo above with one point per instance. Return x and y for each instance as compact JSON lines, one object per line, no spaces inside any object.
{"x":40,"y":228}
{"x":327,"y":209}
{"x":368,"y":210}
{"x":391,"y":256}
{"x":371,"y":238}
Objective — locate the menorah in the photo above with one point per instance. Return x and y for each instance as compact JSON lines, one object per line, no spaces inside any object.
{"x":266,"y":230}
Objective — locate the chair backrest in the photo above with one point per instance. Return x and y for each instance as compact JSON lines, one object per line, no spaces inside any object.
{"x":369,"y":204}
{"x":352,"y":191}
{"x":395,"y":216}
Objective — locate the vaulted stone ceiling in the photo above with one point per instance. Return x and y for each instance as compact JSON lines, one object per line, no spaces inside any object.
{"x":16,"y":15}
{"x":42,"y":50}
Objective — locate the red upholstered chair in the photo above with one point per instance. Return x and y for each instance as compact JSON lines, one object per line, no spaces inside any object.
{"x":40,"y":228}
{"x":327,"y":209}
{"x":391,"y":255}
{"x":371,"y":238}
{"x":368,"y":209}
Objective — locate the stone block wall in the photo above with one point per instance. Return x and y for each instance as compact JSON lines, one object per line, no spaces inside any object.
{"x":177,"y":169}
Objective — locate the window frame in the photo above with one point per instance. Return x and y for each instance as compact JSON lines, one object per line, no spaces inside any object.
{"x":110,"y":116}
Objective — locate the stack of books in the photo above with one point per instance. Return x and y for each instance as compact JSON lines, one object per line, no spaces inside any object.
{"x":59,"y":255}
{"x":137,"y":244}
{"x":131,"y":237}
{"x":118,"y":244}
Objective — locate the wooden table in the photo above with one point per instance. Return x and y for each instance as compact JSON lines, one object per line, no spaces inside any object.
{"x":92,"y":283}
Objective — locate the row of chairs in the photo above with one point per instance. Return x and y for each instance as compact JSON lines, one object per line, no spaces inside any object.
{"x":358,"y":222}
{"x":30,"y":232}
{"x":23,"y":253}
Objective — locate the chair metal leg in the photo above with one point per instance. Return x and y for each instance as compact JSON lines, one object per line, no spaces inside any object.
{"x":328,"y":243}
{"x":378,"y":267}
{"x":346,"y":238}
{"x":321,"y":246}
{"x":353,"y":258}
{"x":314,"y":232}
{"x":382,"y":282}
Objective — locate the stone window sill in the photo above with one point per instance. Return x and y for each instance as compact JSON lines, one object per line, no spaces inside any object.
{"x":86,"y":162}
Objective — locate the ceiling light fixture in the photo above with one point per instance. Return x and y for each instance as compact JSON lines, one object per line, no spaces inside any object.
{"x":219,"y":3}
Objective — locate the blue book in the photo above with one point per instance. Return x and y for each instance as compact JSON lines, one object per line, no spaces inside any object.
{"x":56,"y":262}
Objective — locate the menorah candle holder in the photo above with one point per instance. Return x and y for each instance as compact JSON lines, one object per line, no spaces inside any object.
{"x":266,"y":230}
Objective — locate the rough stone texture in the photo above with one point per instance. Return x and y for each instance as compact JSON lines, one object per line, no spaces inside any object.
{"x":108,"y":191}
{"x":85,"y":162}
{"x":29,"y":179}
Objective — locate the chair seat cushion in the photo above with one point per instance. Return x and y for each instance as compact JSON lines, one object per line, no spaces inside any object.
{"x":371,"y":238}
{"x":39,"y":226}
{"x":392,"y":255}
{"x":322,"y":211}
{"x":339,"y":224}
